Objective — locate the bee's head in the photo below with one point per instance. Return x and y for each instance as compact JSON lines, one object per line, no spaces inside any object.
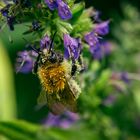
{"x":48,"y":55}
{"x":51,"y":57}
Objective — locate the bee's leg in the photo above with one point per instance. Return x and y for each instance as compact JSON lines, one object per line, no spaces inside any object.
{"x":35,"y":68}
{"x":74,"y":67}
{"x":83,"y":68}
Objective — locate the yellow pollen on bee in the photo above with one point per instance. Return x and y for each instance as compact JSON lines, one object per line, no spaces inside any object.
{"x":52,"y":78}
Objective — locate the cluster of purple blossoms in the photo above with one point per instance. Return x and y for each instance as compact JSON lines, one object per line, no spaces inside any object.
{"x":63,"y":9}
{"x":94,"y":39}
{"x":72,"y":48}
{"x":64,"y":121}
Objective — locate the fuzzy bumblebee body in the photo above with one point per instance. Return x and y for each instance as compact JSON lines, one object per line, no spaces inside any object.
{"x":59,"y":89}
{"x":52,"y":77}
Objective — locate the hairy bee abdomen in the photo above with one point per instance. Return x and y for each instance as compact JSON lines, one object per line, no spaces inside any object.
{"x":52,"y":78}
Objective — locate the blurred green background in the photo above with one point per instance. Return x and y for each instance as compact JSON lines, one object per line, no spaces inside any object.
{"x":118,"y":121}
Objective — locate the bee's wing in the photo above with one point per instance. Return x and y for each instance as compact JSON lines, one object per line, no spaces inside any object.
{"x":58,"y":102}
{"x":69,"y":98}
{"x":55,"y":105}
{"x":62,"y":101}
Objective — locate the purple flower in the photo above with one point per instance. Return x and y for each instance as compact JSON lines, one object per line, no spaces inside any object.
{"x":51,"y":4}
{"x":5,"y":11}
{"x":25,"y":61}
{"x":98,"y":48}
{"x":45,"y":42}
{"x":98,"y":53}
{"x":63,"y":10}
{"x":124,"y":77}
{"x":93,"y":40}
{"x":102,"y":28}
{"x":72,"y":47}
{"x":96,"y":16}
{"x":64,"y":121}
{"x":102,"y":50}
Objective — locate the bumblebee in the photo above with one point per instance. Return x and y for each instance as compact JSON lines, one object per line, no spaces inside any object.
{"x":59,"y":89}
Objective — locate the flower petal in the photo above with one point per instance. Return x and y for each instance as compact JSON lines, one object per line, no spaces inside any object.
{"x":63,"y":10}
{"x":72,"y":47}
{"x":51,"y":4}
{"x":102,"y":28}
{"x":92,"y":39}
{"x":25,"y":61}
{"x":45,"y":42}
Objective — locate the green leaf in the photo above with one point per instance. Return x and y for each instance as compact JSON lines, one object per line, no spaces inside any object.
{"x":137,"y":97}
{"x":2,"y":4}
{"x":77,"y":11}
{"x":18,"y":130}
{"x":21,"y":130}
{"x":103,"y":80}
{"x":65,"y":25}
{"x":70,"y":2}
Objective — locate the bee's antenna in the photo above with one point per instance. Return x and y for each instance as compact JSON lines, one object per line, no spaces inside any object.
{"x":30,"y":46}
{"x":36,"y":50}
{"x":51,"y":44}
